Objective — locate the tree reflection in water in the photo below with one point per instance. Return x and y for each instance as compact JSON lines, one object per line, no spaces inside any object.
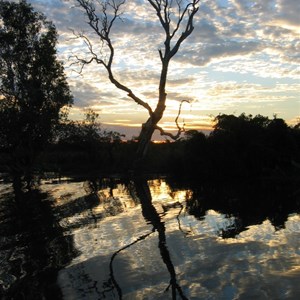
{"x":150,"y":214}
{"x":103,"y":219}
{"x":33,"y":246}
{"x":203,"y":257}
{"x":112,"y":282}
{"x":249,"y":202}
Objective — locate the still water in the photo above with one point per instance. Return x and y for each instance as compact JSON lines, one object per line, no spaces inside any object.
{"x":148,"y":239}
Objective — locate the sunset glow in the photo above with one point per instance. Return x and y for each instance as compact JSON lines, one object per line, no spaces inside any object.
{"x":243,"y":56}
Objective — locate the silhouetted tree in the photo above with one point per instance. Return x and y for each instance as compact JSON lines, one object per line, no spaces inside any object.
{"x":79,"y":132}
{"x":176,"y":19}
{"x":243,"y":146}
{"x":82,"y":146}
{"x":33,"y":87}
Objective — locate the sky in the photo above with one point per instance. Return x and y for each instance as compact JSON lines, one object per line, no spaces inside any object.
{"x":243,"y":57}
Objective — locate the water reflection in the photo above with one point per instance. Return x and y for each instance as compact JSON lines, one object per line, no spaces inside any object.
{"x":120,"y":257}
{"x":249,"y":203}
{"x":151,"y":215}
{"x":32,"y":246}
{"x":112,"y":283}
{"x":155,"y":239}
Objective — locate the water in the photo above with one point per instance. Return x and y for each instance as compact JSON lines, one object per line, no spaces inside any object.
{"x":155,"y":239}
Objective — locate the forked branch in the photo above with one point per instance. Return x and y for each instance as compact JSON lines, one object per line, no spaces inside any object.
{"x":179,"y":128}
{"x":110,"y":11}
{"x":172,"y":22}
{"x":174,"y":16}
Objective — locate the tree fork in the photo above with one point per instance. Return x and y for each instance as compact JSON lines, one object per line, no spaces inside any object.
{"x":171,"y":22}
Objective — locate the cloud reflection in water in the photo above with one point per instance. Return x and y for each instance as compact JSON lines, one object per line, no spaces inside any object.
{"x":260,"y":262}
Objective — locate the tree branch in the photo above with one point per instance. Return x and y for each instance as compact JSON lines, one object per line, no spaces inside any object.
{"x":173,"y":15}
{"x":163,"y":10}
{"x":102,"y":26}
{"x":128,"y":91}
{"x":189,"y":26}
{"x":180,"y":129}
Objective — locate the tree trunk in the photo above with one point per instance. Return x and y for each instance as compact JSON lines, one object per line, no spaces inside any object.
{"x":171,"y":23}
{"x":143,"y":143}
{"x":147,"y":131}
{"x":145,"y":138}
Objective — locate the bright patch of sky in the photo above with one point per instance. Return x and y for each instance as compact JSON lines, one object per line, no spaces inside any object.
{"x":243,"y":56}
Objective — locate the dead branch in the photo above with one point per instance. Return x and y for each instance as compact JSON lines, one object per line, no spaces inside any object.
{"x":163,"y":10}
{"x":102,"y":26}
{"x":174,"y":16}
{"x":171,"y":25}
{"x":179,"y":128}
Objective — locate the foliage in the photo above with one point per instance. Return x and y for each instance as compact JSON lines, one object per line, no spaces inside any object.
{"x":33,"y":87}
{"x":238,"y":147}
{"x":86,"y":131}
{"x":82,"y":145}
{"x":243,"y":146}
{"x":73,"y":132}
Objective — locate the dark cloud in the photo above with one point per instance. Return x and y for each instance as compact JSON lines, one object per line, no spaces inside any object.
{"x":207,"y":52}
{"x":151,"y":94}
{"x":222,"y":28}
{"x":292,"y":52}
{"x":62,"y":12}
{"x":135,"y":27}
{"x":86,"y":94}
{"x":180,"y":81}
{"x":289,"y":11}
{"x":205,"y":31}
{"x":276,"y":32}
{"x":145,"y":77}
{"x":177,"y":96}
{"x":129,"y":132}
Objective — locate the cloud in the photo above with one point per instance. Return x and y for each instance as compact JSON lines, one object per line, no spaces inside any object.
{"x":233,"y":41}
{"x":288,"y":11}
{"x":206,"y":53}
{"x":205,"y":31}
{"x":218,"y":26}
{"x":86,"y":94}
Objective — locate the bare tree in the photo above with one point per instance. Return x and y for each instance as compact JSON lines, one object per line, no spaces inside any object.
{"x":176,"y":19}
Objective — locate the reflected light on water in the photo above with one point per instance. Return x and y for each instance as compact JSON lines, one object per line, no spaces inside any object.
{"x":161,"y":192}
{"x":120,"y":246}
{"x":207,"y":266}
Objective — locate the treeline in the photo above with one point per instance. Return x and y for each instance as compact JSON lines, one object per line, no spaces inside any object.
{"x":238,"y":146}
{"x":244,"y":146}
